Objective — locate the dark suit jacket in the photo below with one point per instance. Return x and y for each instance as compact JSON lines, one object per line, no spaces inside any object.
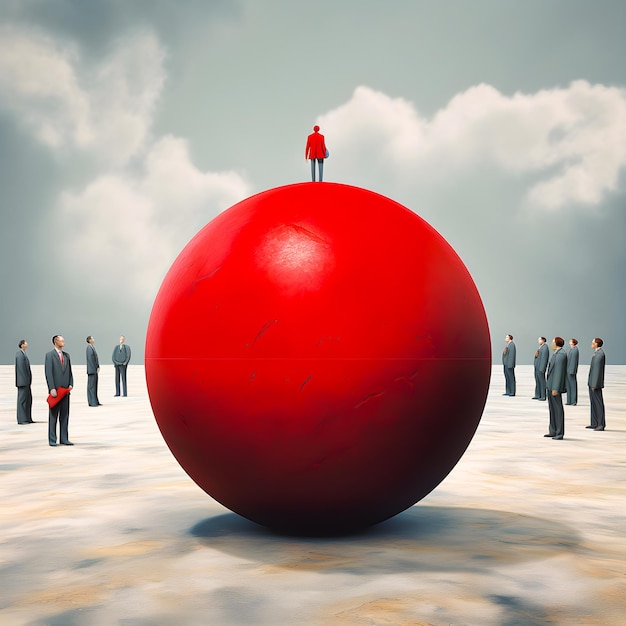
{"x":23,"y":375}
{"x":92,"y":360}
{"x":596,"y":369}
{"x":557,"y":368}
{"x":121,"y":357}
{"x":508,"y":358}
{"x":572,"y":360}
{"x":58,"y":375}
{"x":541,"y":360}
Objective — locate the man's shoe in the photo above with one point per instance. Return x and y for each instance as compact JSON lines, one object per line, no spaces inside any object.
{"x":590,"y":427}
{"x":557,"y":437}
{"x":54,"y":444}
{"x":67,"y":443}
{"x":598,"y":428}
{"x":548,"y":435}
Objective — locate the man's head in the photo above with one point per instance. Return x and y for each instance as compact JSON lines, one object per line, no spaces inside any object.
{"x":508,"y":338}
{"x":541,"y":340}
{"x":58,"y":342}
{"x":559,"y":342}
{"x":573,"y":342}
{"x":597,"y":343}
{"x":89,"y":339}
{"x":122,"y":339}
{"x":316,"y":128}
{"x":22,"y":344}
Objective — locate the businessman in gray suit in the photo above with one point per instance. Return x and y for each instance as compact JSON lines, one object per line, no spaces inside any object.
{"x":508,"y":361}
{"x":93,"y":367}
{"x":121,"y":357}
{"x":58,"y":368}
{"x":23,"y":380}
{"x":541,"y":363}
{"x":571,"y":383}
{"x":596,"y":384}
{"x":556,"y":372}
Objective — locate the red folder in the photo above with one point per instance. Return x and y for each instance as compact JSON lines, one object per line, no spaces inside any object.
{"x":61,"y":393}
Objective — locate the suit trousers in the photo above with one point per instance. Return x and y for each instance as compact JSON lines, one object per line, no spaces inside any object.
{"x":540,"y":385}
{"x":92,"y":390}
{"x":509,"y":380}
{"x":60,"y":412}
{"x":24,"y":405}
{"x":597,"y":408}
{"x":320,"y":166}
{"x":571,"y":384}
{"x":120,"y":372}
{"x":557,"y":415}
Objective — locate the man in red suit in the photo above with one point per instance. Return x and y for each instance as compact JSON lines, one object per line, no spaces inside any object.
{"x":316,"y":151}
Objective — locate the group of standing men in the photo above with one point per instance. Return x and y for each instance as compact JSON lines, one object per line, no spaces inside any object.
{"x":60,"y":381}
{"x":556,"y":374}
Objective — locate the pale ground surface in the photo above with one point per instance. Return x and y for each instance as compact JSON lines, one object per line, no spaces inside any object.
{"x":525,"y":530}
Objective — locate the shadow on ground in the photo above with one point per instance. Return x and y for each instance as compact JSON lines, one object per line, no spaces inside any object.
{"x":425,"y":538}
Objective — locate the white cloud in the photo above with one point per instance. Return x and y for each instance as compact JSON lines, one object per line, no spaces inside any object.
{"x":570,"y":141}
{"x":104,"y":110}
{"x":147,"y":199}
{"x":126,"y":230}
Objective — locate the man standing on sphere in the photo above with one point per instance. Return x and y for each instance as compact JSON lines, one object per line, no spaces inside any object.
{"x":316,"y":151}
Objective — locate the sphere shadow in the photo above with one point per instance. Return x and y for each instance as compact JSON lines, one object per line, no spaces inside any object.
{"x":423,"y":538}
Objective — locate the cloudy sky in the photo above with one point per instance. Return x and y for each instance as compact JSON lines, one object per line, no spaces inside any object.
{"x":125,"y":126}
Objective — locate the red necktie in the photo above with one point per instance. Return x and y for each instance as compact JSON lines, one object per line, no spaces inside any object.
{"x":61,"y":357}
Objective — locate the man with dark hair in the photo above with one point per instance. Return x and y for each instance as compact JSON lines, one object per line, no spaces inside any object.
{"x":23,"y":381}
{"x":541,"y":363}
{"x":596,"y":384}
{"x":508,"y":361}
{"x":571,"y":384}
{"x":58,"y":370}
{"x":93,"y":367}
{"x":121,"y":357}
{"x":557,"y":369}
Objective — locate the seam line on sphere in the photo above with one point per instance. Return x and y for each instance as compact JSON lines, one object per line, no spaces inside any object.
{"x":314,"y":358}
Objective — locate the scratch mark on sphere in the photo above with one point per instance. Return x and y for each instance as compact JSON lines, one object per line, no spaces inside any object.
{"x":406,"y":381}
{"x":306,"y":380}
{"x":264,"y":329}
{"x":369,"y":397}
{"x":205,"y":277}
{"x":308,"y":233}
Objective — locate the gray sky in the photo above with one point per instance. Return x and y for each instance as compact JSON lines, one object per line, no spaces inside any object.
{"x":126,"y":126}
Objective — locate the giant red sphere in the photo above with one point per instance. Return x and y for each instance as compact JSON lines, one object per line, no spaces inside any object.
{"x":318,"y":358}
